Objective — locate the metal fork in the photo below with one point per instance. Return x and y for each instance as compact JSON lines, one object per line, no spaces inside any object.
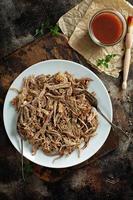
{"x":93,"y":101}
{"x":21,"y":149}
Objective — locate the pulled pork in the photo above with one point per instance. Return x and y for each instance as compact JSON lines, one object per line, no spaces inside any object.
{"x":54,"y":113}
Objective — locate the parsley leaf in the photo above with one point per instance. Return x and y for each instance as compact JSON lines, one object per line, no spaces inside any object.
{"x":100,"y":62}
{"x":104,"y":62}
{"x":55,"y":30}
{"x":109,"y":57}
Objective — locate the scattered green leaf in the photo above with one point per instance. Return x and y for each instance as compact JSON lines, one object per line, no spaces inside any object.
{"x":28,"y":169}
{"x":55,"y":30}
{"x":100,"y":62}
{"x":40,"y":30}
{"x":37,"y":32}
{"x":104,"y":62}
{"x":109,"y":57}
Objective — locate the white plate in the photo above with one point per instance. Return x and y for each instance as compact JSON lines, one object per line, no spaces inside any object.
{"x":104,"y":102}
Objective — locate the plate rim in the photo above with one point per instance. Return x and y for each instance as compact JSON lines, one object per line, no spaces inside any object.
{"x":82,"y":66}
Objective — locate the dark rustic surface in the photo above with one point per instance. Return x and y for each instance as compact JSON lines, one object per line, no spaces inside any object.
{"x":107,"y":178}
{"x":102,"y":177}
{"x":20,"y":18}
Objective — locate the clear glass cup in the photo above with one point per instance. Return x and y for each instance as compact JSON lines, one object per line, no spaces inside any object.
{"x":110,"y":11}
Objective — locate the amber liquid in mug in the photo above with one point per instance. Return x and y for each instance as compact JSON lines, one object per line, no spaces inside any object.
{"x":107,"y":27}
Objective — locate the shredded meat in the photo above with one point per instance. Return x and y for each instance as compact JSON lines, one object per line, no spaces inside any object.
{"x":54,"y":113}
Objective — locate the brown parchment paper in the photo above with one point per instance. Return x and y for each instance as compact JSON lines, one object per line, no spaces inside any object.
{"x":75,"y":28}
{"x":70,"y":20}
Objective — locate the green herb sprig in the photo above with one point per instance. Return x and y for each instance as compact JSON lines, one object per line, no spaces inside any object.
{"x":104,"y":62}
{"x":40,"y":30}
{"x":54,"y":30}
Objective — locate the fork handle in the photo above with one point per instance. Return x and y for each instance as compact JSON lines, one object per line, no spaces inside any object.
{"x":112,"y":124}
{"x":22,"y":160}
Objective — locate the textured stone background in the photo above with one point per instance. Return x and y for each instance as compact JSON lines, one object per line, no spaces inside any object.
{"x":111,"y":181}
{"x":20,"y":18}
